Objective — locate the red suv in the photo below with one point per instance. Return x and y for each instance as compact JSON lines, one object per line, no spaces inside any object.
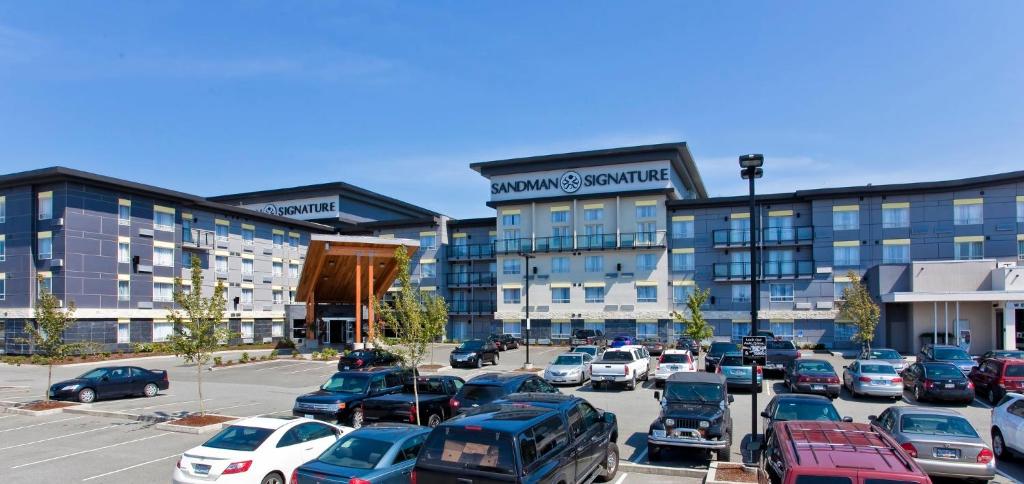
{"x":995,"y":377}
{"x":805,"y":452}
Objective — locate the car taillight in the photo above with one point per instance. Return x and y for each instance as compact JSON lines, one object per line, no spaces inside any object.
{"x":803,"y":379}
{"x":929,"y":384}
{"x":691,"y":367}
{"x":833,"y":379}
{"x":295,"y":477}
{"x":412,"y":414}
{"x":165,"y":376}
{"x":970,"y":385}
{"x":797,"y":356}
{"x":760,"y":371}
{"x":864,"y":379}
{"x":911,"y":450}
{"x":237,"y":467}
{"x":412,"y":477}
{"x":718,"y":369}
{"x":625,"y":370}
{"x":661,"y":359}
{"x":985,"y":456}
{"x":178,"y":465}
{"x":453,"y":403}
{"x":359,"y":362}
{"x":356,"y":480}
{"x":897,"y":380}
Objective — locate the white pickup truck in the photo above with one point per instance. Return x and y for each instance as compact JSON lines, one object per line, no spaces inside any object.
{"x":625,"y":365}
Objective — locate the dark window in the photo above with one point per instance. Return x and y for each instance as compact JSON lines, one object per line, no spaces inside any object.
{"x":590,"y":416}
{"x":1014,"y":370}
{"x":943,"y":371}
{"x":575,"y":422}
{"x":237,"y":437}
{"x":481,"y":393}
{"x":528,"y":447}
{"x":550,"y":436}
{"x":544,"y":386}
{"x":304,"y":433}
{"x":377,"y":383}
{"x":138,"y":372}
{"x":883,"y":481}
{"x":470,"y":448}
{"x":355,"y":451}
{"x":411,"y":448}
{"x":781,"y":345}
{"x":393,"y":380}
{"x":1016,"y":408}
{"x":823,"y":480}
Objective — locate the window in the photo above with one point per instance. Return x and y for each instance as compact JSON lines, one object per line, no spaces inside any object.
{"x":740,"y":293}
{"x":846,"y":217}
{"x":1020,"y":248}
{"x":45,"y":285}
{"x":682,"y":229}
{"x":593,"y":214}
{"x":846,"y":256}
{"x":782,"y":329}
{"x":221,"y":264}
{"x":3,"y":248}
{"x":682,"y":262}
{"x":248,"y":235}
{"x":291,"y":296}
{"x":278,"y":296}
{"x":277,"y":329}
{"x":124,"y":333}
{"x":513,"y":328}
{"x":896,"y":216}
{"x":278,"y":240}
{"x":646,"y":294}
{"x":163,"y":291}
{"x":293,"y":271}
{"x":162,"y":331}
{"x":428,"y":269}
{"x":45,"y":206}
{"x":594,"y":325}
{"x":559,"y":264}
{"x":593,"y":294}
{"x":646,"y":211}
{"x":45,"y":246}
{"x":681,"y":294}
{"x":560,"y":330}
{"x":247,"y":267}
{"x":293,"y":241}
{"x":780,"y":227}
{"x":124,"y":291}
{"x":3,"y":289}
{"x":594,"y":263}
{"x":646,"y":330}
{"x":511,"y":295}
{"x":559,"y":216}
{"x":844,"y":331}
{"x":559,"y":295}
{"x":246,"y":295}
{"x":739,"y":229}
{"x":678,"y":329}
{"x":739,"y":330}
{"x":3,"y":209}
{"x":124,"y":213}
{"x":278,"y":269}
{"x":839,"y":289}
{"x":428,"y":241}
{"x":968,"y":250}
{"x":162,"y":219}
{"x":247,"y":329}
{"x":124,"y":254}
{"x":222,"y":232}
{"x":967,"y":212}
{"x":511,"y":266}
{"x":163,"y":256}
{"x":1020,"y":209}
{"x":895,"y":254}
{"x":781,"y":293}
{"x":646,"y":262}
{"x":510,"y":220}
{"x":186,"y":259}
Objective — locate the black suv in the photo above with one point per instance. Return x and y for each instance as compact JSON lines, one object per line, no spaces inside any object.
{"x":474,"y":352}
{"x":367,"y":358}
{"x":340,"y":399}
{"x":489,"y":387}
{"x":526,"y":438}
{"x":694,"y":414}
{"x":594,"y":337}
{"x":504,"y":342}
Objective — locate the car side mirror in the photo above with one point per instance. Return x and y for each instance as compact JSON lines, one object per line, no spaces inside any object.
{"x":872,"y":418}
{"x":765,"y":414}
{"x":847,"y":419}
{"x":608,"y":418}
{"x":657,"y":395}
{"x":731,"y":399}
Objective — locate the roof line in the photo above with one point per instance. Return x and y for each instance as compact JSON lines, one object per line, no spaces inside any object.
{"x":380,"y":198}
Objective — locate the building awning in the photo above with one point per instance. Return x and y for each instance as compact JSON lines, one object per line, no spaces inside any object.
{"x":329,"y":272}
{"x":958,"y":296}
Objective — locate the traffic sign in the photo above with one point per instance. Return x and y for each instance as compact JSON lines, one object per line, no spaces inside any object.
{"x":755,"y":350}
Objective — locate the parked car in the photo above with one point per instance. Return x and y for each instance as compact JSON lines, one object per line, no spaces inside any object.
{"x":672,"y":361}
{"x":876,"y":378}
{"x":569,"y":368}
{"x":367,"y":358}
{"x":799,"y":406}
{"x":622,"y":340}
{"x":504,"y":342}
{"x":988,"y":355}
{"x":799,"y":452}
{"x":694,"y":415}
{"x":738,"y":375}
{"x":474,"y":352}
{"x":688,"y":343}
{"x":593,"y":351}
{"x":435,"y":393}
{"x":715,"y":352}
{"x":887,"y":355}
{"x":779,"y":354}
{"x":938,"y":381}
{"x":948,"y":354}
{"x":1007,"y":420}
{"x":489,"y":387}
{"x":626,"y":365}
{"x":812,"y":376}
{"x":589,"y":337}
{"x":996,"y":377}
{"x":654,"y":347}
{"x":110,"y":382}
{"x":340,"y":399}
{"x":941,"y":440}
{"x":382,"y":453}
{"x":259,"y":449}
{"x":526,"y":439}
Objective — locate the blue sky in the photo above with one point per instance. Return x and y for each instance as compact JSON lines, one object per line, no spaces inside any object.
{"x":399,"y":97}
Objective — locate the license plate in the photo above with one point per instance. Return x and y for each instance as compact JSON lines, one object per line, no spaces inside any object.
{"x":558,"y":380}
{"x":735,"y":372}
{"x":673,"y":367}
{"x":817,"y":387}
{"x":346,"y":367}
{"x":659,"y":433}
{"x":942,"y":453}
{"x":309,"y":416}
{"x":201,"y":469}
{"x":879,"y":382}
{"x":949,"y":385}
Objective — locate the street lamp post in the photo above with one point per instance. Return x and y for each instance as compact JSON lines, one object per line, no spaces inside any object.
{"x":526,"y":289}
{"x":750,"y":169}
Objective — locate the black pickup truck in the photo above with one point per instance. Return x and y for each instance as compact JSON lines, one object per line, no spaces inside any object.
{"x":341,"y":398}
{"x":435,"y":393}
{"x":527,"y":438}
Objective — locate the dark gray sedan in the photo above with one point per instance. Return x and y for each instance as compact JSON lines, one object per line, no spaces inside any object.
{"x":942,"y":441}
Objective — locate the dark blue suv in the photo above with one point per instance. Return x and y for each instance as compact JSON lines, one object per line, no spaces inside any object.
{"x":523,"y":438}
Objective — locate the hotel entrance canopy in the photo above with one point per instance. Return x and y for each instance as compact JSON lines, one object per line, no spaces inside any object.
{"x":343,"y":269}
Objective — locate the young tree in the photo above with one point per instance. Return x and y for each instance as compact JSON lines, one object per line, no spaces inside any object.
{"x":197,"y":329}
{"x":416,"y":319}
{"x":861,"y":309}
{"x":46,"y":334}
{"x":696,"y":326}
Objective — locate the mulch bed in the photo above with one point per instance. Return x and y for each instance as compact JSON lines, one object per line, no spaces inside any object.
{"x":430,"y":367}
{"x":200,"y":420}
{"x":734,"y":473}
{"x":44,"y":405}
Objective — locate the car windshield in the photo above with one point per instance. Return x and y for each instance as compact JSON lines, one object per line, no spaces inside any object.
{"x":951,"y":354}
{"x":693,"y":392}
{"x":675,"y":358}
{"x":95,"y":374}
{"x":806,"y":410}
{"x":685,"y":341}
{"x":471,"y":345}
{"x":617,"y":356}
{"x":1014,"y":370}
{"x":720,"y":348}
{"x":237,"y":437}
{"x":592,"y":351}
{"x":568,"y":360}
{"x":432,"y":387}
{"x":583,"y":333}
{"x":480,"y":393}
{"x":470,"y":448}
{"x":621,"y":338}
{"x":878,"y":369}
{"x":937,"y":425}
{"x":732,"y":360}
{"x":884,"y":355}
{"x":943,"y":371}
{"x":355,"y":451}
{"x":781,"y":345}
{"x":346,"y":384}
{"x":1009,"y":354}
{"x":821,"y":366}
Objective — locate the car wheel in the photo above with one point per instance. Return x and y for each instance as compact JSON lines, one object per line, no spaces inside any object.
{"x":999,"y":445}
{"x":433,"y":420}
{"x":653,"y":453}
{"x":480,"y":362}
{"x":610,"y":465}
{"x":495,"y":362}
{"x":723,"y":455}
{"x":273,"y":478}
{"x":87,"y":395}
{"x":917,"y":394}
{"x":356,"y":421}
{"x":992,"y":397}
{"x":632,"y":383}
{"x":150,"y":390}
{"x":595,"y":384}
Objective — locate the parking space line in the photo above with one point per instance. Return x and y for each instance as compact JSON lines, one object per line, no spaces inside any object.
{"x":983,"y":404}
{"x":309,"y":369}
{"x":5,"y":416}
{"x":130,"y":467}
{"x":38,"y":424}
{"x":89,"y":450}
{"x":233,"y":406}
{"x":286,"y":365}
{"x":166,"y":404}
{"x":273,"y":413}
{"x":621,"y":478}
{"x":640,"y":457}
{"x":59,"y":437}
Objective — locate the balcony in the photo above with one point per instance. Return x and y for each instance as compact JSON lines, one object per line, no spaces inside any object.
{"x":770,"y":236}
{"x":554,"y":244}
{"x":467,"y":279}
{"x":770,"y":270}
{"x":197,"y":239}
{"x":471,"y":251}
{"x":513,"y":246}
{"x":626,"y":240}
{"x":470,"y":307}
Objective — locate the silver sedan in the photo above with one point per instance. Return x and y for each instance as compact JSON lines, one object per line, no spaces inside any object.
{"x":942,"y":442}
{"x":569,"y":368}
{"x":876,"y":378}
{"x":885,"y":354}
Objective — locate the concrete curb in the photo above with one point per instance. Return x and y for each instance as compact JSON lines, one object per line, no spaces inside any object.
{"x":713,"y":468}
{"x":660,"y":470}
{"x":184,"y":429}
{"x":32,"y":413}
{"x":236,"y":365}
{"x":155,"y":357}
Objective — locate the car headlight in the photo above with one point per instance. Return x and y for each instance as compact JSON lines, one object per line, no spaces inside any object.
{"x":69,"y":388}
{"x":670,"y":422}
{"x":704,"y":424}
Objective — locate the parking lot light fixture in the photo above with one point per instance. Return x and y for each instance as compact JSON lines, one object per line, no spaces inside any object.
{"x":750,"y":170}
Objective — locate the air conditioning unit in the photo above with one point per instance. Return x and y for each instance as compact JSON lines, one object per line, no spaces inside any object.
{"x":58,"y":222}
{"x":56,"y":262}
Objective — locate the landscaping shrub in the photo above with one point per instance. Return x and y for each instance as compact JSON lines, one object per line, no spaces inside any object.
{"x":245,"y":357}
{"x":273,"y":355}
{"x":328,"y":354}
{"x":218,"y":361}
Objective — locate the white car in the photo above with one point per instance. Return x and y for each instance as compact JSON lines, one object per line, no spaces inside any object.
{"x":1008,"y":426}
{"x":673,"y":361}
{"x":263,"y":450}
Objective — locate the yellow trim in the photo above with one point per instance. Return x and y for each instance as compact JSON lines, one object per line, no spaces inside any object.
{"x":969,"y":238}
{"x":780,"y":320}
{"x":275,"y":288}
{"x":591,"y":206}
{"x":124,"y":239}
{"x":780,"y":213}
{"x":428,"y":261}
{"x":846,"y":208}
{"x":163,"y":280}
{"x":248,"y":320}
{"x":842,"y":279}
{"x":277,"y":320}
{"x":224,"y":253}
{"x":247,"y":285}
{"x":511,"y":286}
{"x":386,"y":236}
{"x":44,"y":274}
{"x":685,"y":250}
{"x":276,"y":259}
{"x":896,"y":205}
{"x":222,"y":222}
{"x":560,"y":285}
{"x":741,"y":320}
{"x":560,"y":208}
{"x":561,"y":321}
{"x":186,"y":215}
{"x":646,"y":203}
{"x":1020,"y":236}
{"x":740,"y":215}
{"x":682,"y":218}
{"x":293,"y":234}
{"x":124,"y":320}
{"x":1020,"y":198}
{"x":968,"y":201}
{"x":511,"y":211}
{"x":394,"y":289}
{"x":249,"y":256}
{"x":124,"y":201}
{"x":459,"y":235}
{"x":160,"y":320}
{"x":248,"y":227}
{"x":163,"y":209}
{"x":44,"y":194}
{"x":593,"y":321}
{"x":431,"y":232}
{"x":684,"y":283}
{"x":277,"y":232}
{"x":846,"y":243}
{"x":3,"y":275}
{"x":493,"y":232}
{"x":646,"y":283}
{"x":647,"y":321}
{"x":428,"y":288}
{"x":508,"y":320}
{"x":896,"y":242}
{"x":186,"y":282}
{"x":45,"y":234}
{"x":593,"y":284}
{"x":163,"y":245}
{"x":3,"y":237}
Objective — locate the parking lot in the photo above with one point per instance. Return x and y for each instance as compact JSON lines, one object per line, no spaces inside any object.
{"x":83,"y":448}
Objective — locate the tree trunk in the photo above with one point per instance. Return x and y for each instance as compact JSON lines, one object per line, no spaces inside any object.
{"x":49,"y":381}
{"x":199,"y":382}
{"x":416,"y":393}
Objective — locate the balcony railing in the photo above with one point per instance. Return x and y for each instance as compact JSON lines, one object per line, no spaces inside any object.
{"x":471,"y":279}
{"x":553,"y":244}
{"x":471,"y":307}
{"x":626,"y":240}
{"x":770,"y":270}
{"x":197,"y":239}
{"x":596,"y":242}
{"x":771,"y":236}
{"x":471,"y":251}
{"x":513,"y":246}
